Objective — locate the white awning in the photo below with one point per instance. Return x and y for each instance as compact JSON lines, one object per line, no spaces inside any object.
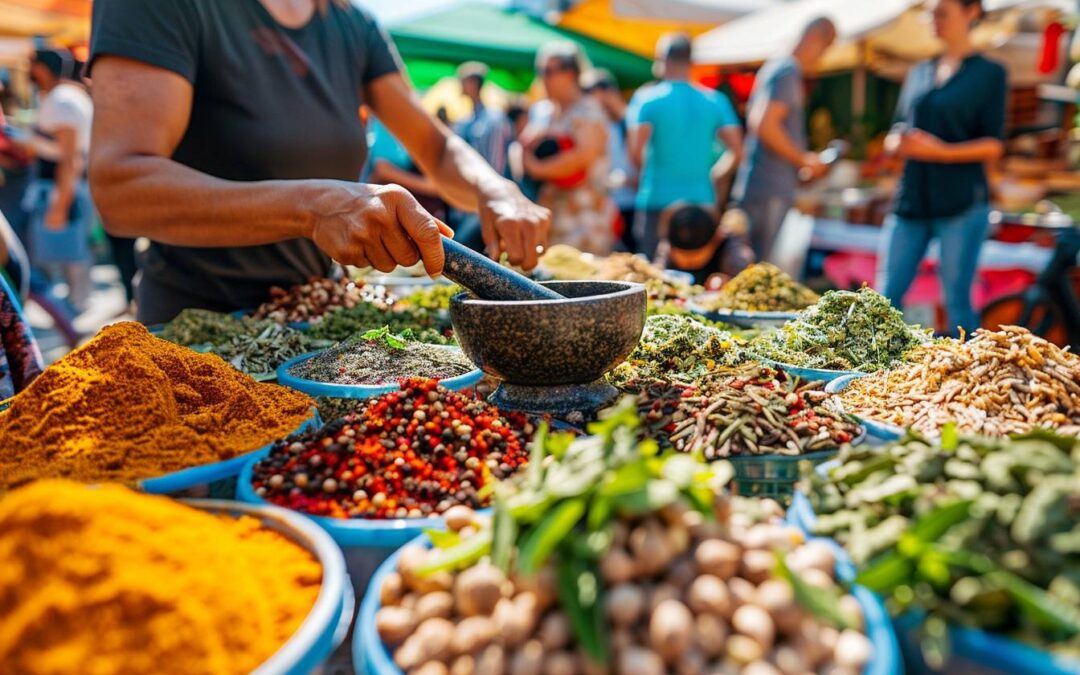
{"x":690,"y":11}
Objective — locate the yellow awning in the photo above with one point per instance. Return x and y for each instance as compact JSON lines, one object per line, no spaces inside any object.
{"x":62,"y":21}
{"x":595,"y":19}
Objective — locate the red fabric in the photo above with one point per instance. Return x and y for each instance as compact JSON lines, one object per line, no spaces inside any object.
{"x":575,"y":179}
{"x":1050,"y":57}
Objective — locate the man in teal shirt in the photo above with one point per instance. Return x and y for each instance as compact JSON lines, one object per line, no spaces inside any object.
{"x":674,"y":129}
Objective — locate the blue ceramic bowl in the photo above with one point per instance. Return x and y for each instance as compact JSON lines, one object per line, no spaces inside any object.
{"x":810,"y":374}
{"x":741,"y":318}
{"x":360,"y":391}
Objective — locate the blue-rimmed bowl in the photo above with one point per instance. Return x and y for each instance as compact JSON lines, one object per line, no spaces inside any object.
{"x":880,"y":430}
{"x":362,"y":391}
{"x":327,"y":624}
{"x":216,"y":478}
{"x":971,"y":651}
{"x":371,"y":657}
{"x":809,"y":374}
{"x":739,"y":317}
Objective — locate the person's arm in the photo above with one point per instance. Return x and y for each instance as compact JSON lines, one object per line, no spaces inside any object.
{"x":637,"y":139}
{"x":141,"y":114}
{"x":67,"y":170}
{"x":590,"y":141}
{"x":510,"y":223}
{"x":732,"y":138}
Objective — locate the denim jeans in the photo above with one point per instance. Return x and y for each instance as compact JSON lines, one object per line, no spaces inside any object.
{"x":904,"y":243}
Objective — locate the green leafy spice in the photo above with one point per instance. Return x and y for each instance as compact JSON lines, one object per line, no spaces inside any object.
{"x":973,"y":531}
{"x":677,"y":348}
{"x":846,"y":330}
{"x":380,"y":357}
{"x":762,"y":288}
{"x":428,"y":326}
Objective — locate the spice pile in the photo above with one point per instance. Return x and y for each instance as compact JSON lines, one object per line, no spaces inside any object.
{"x":433,"y":298}
{"x":428,"y":326}
{"x":410,"y":453}
{"x":762,"y":287}
{"x":109,"y":581}
{"x":846,"y":330}
{"x":127,"y":405}
{"x":996,"y":383}
{"x":755,"y":410}
{"x":984,"y":531}
{"x":312,"y":300}
{"x":605,"y":560}
{"x":676,"y":348}
{"x":253,"y":346}
{"x":380,"y":357}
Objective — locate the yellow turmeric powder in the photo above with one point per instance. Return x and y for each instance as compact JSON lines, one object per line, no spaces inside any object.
{"x":127,"y":405}
{"x":106,"y":581}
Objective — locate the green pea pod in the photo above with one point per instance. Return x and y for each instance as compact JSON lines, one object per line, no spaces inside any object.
{"x":541,"y":541}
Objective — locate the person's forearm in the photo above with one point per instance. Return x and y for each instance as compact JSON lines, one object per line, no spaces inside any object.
{"x":972,"y":152}
{"x":386,"y":172}
{"x":157,"y":198}
{"x":65,"y":183}
{"x":780,"y":144}
{"x":563,"y":164}
{"x":461,"y":175}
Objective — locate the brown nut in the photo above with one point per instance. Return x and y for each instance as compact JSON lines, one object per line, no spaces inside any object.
{"x":709,"y":594}
{"x":617,"y":567}
{"x":478,"y":589}
{"x":711,"y":634}
{"x":625,"y":604}
{"x":755,"y":622}
{"x":718,"y":557}
{"x":437,"y":604}
{"x":473,"y":634}
{"x":554,"y":631}
{"x":392,"y":590}
{"x":459,"y":517}
{"x":395,"y":624}
{"x":671,"y":629}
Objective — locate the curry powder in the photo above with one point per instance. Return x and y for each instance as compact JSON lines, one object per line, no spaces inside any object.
{"x":105,"y":581}
{"x":128,"y":405}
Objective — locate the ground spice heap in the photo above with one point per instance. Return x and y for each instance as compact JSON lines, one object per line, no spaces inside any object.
{"x":762,"y":288}
{"x":109,"y":581}
{"x":997,"y":383}
{"x":380,"y":357}
{"x":410,"y":453}
{"x":127,"y":405}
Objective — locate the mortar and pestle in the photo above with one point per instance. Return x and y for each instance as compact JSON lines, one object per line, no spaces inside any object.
{"x":550,"y":344}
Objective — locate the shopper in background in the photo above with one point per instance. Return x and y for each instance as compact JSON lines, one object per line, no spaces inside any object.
{"x":674,"y":127}
{"x":57,"y":199}
{"x":777,"y":155}
{"x":692,"y":241}
{"x":951,"y":123}
{"x":486,"y":130}
{"x":601,"y":85}
{"x":565,"y":148}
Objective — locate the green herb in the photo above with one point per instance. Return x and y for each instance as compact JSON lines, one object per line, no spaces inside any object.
{"x":846,"y":330}
{"x":384,"y":337}
{"x":343,"y":323}
{"x":973,"y":531}
{"x":762,"y":288}
{"x":677,"y":348}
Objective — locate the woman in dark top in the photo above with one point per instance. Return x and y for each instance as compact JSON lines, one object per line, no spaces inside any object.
{"x":951,"y":119}
{"x":228,"y":133}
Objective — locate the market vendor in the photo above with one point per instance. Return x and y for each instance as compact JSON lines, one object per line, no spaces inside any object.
{"x":951,"y":124}
{"x":227,"y":132}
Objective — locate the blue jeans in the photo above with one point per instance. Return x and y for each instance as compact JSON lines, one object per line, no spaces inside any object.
{"x":904,"y":243}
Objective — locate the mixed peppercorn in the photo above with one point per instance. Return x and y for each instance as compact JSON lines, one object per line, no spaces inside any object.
{"x":411,"y":453}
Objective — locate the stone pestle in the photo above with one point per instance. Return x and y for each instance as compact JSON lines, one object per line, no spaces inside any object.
{"x":487,"y":279}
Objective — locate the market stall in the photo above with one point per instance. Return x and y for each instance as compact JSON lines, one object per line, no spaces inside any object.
{"x":646,"y":529}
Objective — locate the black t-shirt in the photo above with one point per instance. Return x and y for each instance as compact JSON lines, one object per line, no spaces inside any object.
{"x":269,"y":103}
{"x":970,"y":105}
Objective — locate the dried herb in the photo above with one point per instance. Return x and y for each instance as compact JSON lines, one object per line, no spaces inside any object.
{"x":432,"y":298}
{"x":846,"y":330}
{"x":677,"y":348}
{"x":428,"y":326}
{"x":381,"y":357}
{"x":762,"y":288}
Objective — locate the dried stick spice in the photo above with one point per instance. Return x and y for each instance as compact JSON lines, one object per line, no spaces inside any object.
{"x":410,"y":453}
{"x":380,"y":357}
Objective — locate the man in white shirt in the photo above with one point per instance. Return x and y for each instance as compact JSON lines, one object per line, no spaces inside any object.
{"x":58,"y":200}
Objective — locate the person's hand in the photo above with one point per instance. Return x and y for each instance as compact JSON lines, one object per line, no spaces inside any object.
{"x":920,"y":145}
{"x":512,"y":224}
{"x":56,"y":217}
{"x":380,"y":226}
{"x":812,"y":168}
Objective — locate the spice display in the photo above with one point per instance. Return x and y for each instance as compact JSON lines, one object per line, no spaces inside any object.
{"x":846,"y":330}
{"x":676,"y":348}
{"x":380,"y":357}
{"x":340,"y":324}
{"x":109,"y":581}
{"x":127,"y":405}
{"x":627,"y":267}
{"x":566,"y":263}
{"x":975,"y":531}
{"x":312,"y":300}
{"x":996,"y":383}
{"x":603,"y":559}
{"x":253,"y":346}
{"x":410,"y":453}
{"x":755,"y":410}
{"x":762,"y":287}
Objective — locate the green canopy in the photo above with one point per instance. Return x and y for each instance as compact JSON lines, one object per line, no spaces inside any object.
{"x":506,"y":41}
